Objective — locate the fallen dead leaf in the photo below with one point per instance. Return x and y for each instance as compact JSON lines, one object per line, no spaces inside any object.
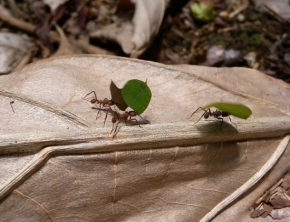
{"x":13,"y":48}
{"x":281,"y":214}
{"x":136,"y":36}
{"x":286,"y":182}
{"x":58,"y":161}
{"x":65,"y":47}
{"x":54,"y":4}
{"x":279,"y":201}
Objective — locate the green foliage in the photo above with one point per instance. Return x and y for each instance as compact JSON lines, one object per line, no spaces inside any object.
{"x":252,"y":39}
{"x":202,"y":12}
{"x":235,"y":109}
{"x":137,"y":95}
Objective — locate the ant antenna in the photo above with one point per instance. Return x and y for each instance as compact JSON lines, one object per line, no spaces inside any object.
{"x":205,"y":111}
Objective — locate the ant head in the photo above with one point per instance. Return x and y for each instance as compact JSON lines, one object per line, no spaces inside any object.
{"x":206,"y":114}
{"x":94,"y":100}
{"x":132,"y":113}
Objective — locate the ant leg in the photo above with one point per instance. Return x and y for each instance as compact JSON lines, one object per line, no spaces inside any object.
{"x":221,"y":122}
{"x":12,"y":106}
{"x":105,"y":117}
{"x":114,"y":119}
{"x":205,"y":111}
{"x":195,"y":111}
{"x":112,"y":127}
{"x":115,"y":132}
{"x":131,"y":119}
{"x":98,"y":114}
{"x":206,"y":114}
{"x":202,"y":116}
{"x":89,"y":94}
{"x":140,"y":116}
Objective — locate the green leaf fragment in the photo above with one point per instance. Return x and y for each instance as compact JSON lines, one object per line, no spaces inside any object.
{"x":234,"y":109}
{"x":137,"y":95}
{"x":202,"y":12}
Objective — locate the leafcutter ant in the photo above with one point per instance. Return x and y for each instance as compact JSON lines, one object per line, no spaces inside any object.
{"x":102,"y":103}
{"x":12,"y":106}
{"x":218,"y":114}
{"x":127,"y":117}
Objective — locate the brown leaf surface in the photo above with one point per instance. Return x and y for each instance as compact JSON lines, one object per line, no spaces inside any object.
{"x":59,"y":164}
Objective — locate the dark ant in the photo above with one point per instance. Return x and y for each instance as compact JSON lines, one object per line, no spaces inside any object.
{"x":126,"y":116}
{"x":12,"y":106}
{"x":218,"y":114}
{"x":102,"y":103}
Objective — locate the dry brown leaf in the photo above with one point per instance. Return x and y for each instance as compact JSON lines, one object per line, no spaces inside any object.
{"x":59,"y":163}
{"x":286,"y":182}
{"x":279,"y":201}
{"x":13,"y":48}
{"x":65,"y":47}
{"x":136,"y":36}
{"x":279,"y":8}
{"x":54,"y":4}
{"x":281,"y":214}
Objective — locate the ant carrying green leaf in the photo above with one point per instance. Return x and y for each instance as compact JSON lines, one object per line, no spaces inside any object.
{"x":135,"y":94}
{"x":224,"y":110}
{"x":12,"y":106}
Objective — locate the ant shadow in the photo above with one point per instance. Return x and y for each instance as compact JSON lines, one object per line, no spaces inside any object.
{"x":219,"y":159}
{"x":215,"y":125}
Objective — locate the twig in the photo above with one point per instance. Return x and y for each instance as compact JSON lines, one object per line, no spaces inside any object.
{"x":238,"y":10}
{"x":86,"y":46}
{"x":274,"y":12}
{"x":25,"y":26}
{"x":15,"y":9}
{"x":26,"y":59}
{"x":20,"y":24}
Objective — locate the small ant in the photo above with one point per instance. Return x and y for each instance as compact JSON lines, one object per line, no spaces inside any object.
{"x":126,"y":116}
{"x":218,"y":114}
{"x":102,"y":103}
{"x":12,"y":106}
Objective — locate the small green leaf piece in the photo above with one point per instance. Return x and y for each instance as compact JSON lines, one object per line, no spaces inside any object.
{"x":202,"y":11}
{"x":117,"y":97}
{"x":234,"y":109}
{"x":137,"y":95}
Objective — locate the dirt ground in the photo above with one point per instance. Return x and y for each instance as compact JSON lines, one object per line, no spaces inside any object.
{"x":238,"y":34}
